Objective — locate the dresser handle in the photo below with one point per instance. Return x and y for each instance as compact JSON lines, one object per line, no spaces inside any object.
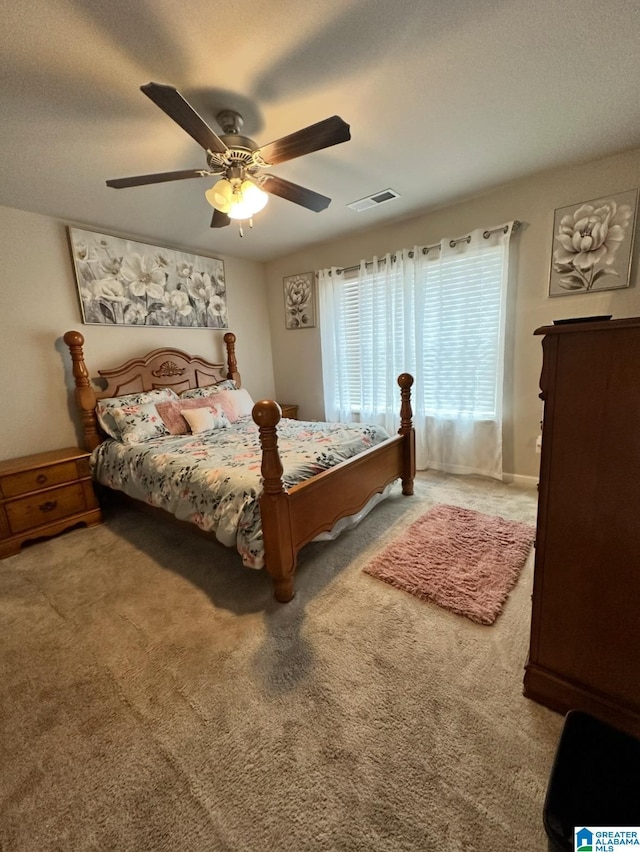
{"x":49,"y":506}
{"x":41,"y":479}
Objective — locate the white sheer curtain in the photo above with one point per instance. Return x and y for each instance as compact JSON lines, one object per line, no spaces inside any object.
{"x":438,"y":313}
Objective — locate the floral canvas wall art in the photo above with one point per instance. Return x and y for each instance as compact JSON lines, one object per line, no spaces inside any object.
{"x":124,"y":282}
{"x":299,"y":301}
{"x":592,"y":245}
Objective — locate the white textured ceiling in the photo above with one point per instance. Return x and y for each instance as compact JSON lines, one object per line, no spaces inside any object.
{"x":445,"y":98}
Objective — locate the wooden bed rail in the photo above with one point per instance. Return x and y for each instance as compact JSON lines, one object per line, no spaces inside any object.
{"x":290,"y":519}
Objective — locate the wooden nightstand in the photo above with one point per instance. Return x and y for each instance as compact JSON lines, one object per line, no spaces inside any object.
{"x":290,"y":411}
{"x":44,"y":494}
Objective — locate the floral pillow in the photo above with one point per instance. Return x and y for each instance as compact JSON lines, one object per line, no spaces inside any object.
{"x":205,"y":419}
{"x":173,"y":413}
{"x":209,"y":390}
{"x":139,"y":423}
{"x":105,"y":407}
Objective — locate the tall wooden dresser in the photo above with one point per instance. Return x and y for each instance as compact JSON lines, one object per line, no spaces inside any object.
{"x":585,"y":628}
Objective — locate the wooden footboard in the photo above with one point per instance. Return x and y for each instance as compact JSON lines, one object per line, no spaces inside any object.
{"x":290,"y":519}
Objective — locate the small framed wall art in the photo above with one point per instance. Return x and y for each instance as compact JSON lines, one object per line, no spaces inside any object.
{"x":124,"y":282}
{"x":592,"y":245}
{"x":300,"y":300}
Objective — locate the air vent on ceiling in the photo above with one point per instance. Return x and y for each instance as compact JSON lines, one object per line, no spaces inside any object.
{"x":373,"y":200}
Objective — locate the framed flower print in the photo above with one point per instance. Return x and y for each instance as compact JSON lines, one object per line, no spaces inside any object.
{"x":126,"y":282}
{"x":592,"y":245}
{"x":300,"y":300}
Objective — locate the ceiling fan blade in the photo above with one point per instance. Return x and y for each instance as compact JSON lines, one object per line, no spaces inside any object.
{"x":141,"y":180}
{"x":171,"y":101}
{"x":324,"y":134}
{"x":220,"y":220}
{"x":294,"y":192}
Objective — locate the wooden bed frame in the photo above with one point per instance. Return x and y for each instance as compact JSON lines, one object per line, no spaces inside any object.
{"x":290,"y":518}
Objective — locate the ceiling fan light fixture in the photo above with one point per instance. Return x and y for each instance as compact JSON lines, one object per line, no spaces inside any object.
{"x":239,"y":200}
{"x":248,"y":199}
{"x":220,"y":196}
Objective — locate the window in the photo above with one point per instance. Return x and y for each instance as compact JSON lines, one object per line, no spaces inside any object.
{"x":462,"y":326}
{"x":437,"y":314}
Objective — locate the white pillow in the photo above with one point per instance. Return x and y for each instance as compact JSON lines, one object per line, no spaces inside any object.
{"x":237,"y":403}
{"x":205,"y":419}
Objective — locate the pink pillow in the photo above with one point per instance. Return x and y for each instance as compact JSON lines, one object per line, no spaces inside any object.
{"x":173,"y":419}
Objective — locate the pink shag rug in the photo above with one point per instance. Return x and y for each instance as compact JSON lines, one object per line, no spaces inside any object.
{"x":460,"y":559}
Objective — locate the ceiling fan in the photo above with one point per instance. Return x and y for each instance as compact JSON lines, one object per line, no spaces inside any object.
{"x":238,"y":161}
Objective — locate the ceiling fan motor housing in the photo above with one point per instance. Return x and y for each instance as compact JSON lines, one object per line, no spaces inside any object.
{"x":230,"y":121}
{"x":240,"y":148}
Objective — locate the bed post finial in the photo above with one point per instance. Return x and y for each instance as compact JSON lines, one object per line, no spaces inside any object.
{"x":85,"y":395}
{"x":405,"y":380}
{"x":232,"y":364}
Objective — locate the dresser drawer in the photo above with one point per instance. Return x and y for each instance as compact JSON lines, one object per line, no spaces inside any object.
{"x":29,"y":512}
{"x":14,"y":484}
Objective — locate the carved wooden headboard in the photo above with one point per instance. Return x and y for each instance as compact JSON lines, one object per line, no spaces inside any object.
{"x":161,"y":368}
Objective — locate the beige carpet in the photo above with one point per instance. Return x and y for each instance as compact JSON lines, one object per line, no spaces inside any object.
{"x":155,"y":697}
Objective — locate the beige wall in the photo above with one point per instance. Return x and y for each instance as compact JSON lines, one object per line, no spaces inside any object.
{"x":38,"y":303}
{"x":297,"y":359}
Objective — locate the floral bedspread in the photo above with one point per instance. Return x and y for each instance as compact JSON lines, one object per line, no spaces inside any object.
{"x":213,"y":479}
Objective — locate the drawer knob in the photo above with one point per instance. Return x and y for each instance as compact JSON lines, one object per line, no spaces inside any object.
{"x":49,"y":506}
{"x":41,"y":478}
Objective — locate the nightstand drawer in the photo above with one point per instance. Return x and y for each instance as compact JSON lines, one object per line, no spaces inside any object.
{"x":14,"y":484}
{"x":46,"y":506}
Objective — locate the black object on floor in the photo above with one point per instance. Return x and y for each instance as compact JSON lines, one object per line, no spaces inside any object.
{"x":595,"y":780}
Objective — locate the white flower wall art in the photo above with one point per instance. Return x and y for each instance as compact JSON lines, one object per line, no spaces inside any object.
{"x":124,"y":282}
{"x":300,"y":301}
{"x":592,"y":245}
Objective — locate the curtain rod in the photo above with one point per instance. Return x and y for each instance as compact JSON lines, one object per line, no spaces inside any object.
{"x":453,"y":243}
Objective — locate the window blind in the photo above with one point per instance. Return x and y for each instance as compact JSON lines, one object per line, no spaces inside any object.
{"x":443,"y":324}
